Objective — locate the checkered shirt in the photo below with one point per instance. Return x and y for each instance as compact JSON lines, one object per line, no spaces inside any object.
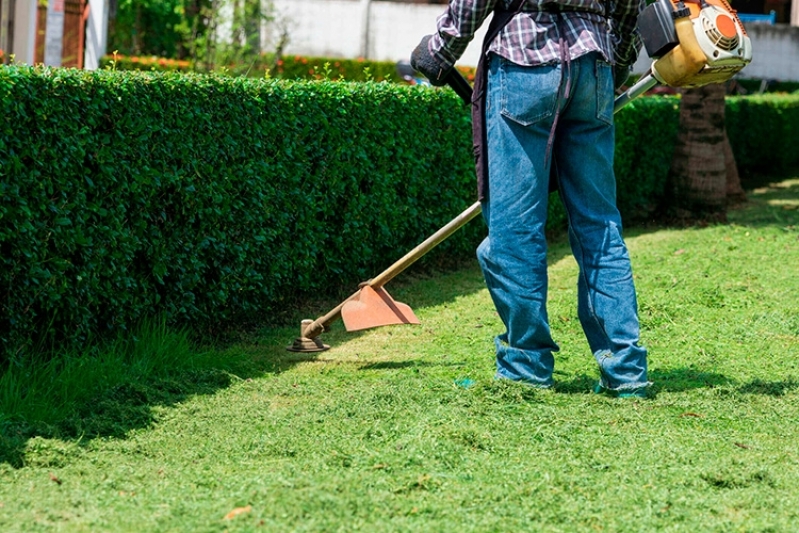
{"x":538,"y":34}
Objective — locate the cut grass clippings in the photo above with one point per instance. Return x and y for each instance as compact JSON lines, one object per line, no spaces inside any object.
{"x":403,"y":428}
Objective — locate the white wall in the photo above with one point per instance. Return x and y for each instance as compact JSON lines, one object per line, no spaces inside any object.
{"x":333,"y":28}
{"x":775,"y":52}
{"x":24,"y":45}
{"x":96,"y":34}
{"x":321,"y":27}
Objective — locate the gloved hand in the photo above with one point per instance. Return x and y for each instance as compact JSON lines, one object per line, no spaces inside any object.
{"x":423,"y":61}
{"x":620,"y":75}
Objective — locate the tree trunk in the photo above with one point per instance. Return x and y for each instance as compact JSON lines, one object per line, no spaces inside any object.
{"x":735,"y":192}
{"x":703,"y":171}
{"x":138,"y":30}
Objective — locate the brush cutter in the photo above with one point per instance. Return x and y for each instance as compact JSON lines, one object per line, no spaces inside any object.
{"x":691,"y":44}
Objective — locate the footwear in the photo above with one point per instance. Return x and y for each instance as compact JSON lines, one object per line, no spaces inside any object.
{"x":637,"y":392}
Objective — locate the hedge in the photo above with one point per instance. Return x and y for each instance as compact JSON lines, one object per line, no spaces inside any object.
{"x":764,"y":132}
{"x":212,"y":200}
{"x":646,"y":131}
{"x":216,"y":201}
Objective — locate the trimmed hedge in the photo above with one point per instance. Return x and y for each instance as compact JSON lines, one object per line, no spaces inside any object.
{"x":646,"y":131}
{"x":216,"y":201}
{"x":211,"y":200}
{"x":764,"y":132}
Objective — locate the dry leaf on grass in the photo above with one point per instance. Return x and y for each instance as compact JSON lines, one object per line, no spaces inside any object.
{"x":237,"y":511}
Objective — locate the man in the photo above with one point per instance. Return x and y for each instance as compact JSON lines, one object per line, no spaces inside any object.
{"x":549,"y":70}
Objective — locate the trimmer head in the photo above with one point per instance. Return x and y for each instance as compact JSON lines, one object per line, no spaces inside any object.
{"x":305,"y":344}
{"x":370,"y":307}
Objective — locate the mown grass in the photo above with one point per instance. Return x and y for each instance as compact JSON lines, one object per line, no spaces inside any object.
{"x":404,"y":429}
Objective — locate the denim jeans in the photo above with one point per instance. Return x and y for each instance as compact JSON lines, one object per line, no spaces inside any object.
{"x":522,"y":105}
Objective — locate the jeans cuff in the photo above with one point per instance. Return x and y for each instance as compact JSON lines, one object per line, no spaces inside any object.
{"x":624,"y":386}
{"x":543,"y":385}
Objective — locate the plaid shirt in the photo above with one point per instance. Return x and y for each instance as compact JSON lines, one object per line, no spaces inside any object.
{"x":536,"y":35}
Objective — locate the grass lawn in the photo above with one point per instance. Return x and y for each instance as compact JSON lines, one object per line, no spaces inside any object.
{"x":403,"y":428}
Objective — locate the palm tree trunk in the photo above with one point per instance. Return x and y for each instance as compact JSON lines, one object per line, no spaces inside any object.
{"x":698,"y":178}
{"x":735,"y":192}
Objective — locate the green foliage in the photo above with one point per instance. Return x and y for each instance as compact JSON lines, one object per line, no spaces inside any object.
{"x":209,"y":33}
{"x":294,"y":67}
{"x":211,"y":200}
{"x":150,"y":27}
{"x":764,"y":132}
{"x":300,"y":67}
{"x":646,"y":130}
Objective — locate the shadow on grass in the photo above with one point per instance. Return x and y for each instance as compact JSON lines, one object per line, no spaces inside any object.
{"x":686,"y":379}
{"x":769,"y":205}
{"x":112,"y":406}
{"x":673,"y":380}
{"x":396,"y":365}
{"x":400,"y":365}
{"x":769,"y":388}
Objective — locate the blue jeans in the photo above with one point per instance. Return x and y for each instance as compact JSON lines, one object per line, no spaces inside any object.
{"x":522,"y":104}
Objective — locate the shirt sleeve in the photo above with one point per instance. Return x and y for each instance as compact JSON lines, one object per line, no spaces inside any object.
{"x":456,"y":28}
{"x":624,"y":23}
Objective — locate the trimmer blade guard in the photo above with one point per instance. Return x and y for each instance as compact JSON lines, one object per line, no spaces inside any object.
{"x":375,"y":307}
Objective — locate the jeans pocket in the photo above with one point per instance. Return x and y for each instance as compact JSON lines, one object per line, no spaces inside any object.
{"x":529,"y":94}
{"x":604,"y":91}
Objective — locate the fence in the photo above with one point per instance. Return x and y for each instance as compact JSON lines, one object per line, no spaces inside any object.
{"x":75,"y":14}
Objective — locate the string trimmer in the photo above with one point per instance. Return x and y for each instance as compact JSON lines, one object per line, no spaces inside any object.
{"x":691,"y":44}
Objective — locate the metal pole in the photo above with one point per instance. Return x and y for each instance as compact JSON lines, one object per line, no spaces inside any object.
{"x":365,"y":10}
{"x":644,"y":83}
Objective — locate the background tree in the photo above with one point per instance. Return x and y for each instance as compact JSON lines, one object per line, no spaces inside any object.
{"x":147,"y":27}
{"x":237,"y":41}
{"x":703,"y":179}
{"x":210,"y":33}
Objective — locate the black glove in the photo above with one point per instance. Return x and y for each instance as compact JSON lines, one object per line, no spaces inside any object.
{"x":423,"y":61}
{"x":620,"y":75}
